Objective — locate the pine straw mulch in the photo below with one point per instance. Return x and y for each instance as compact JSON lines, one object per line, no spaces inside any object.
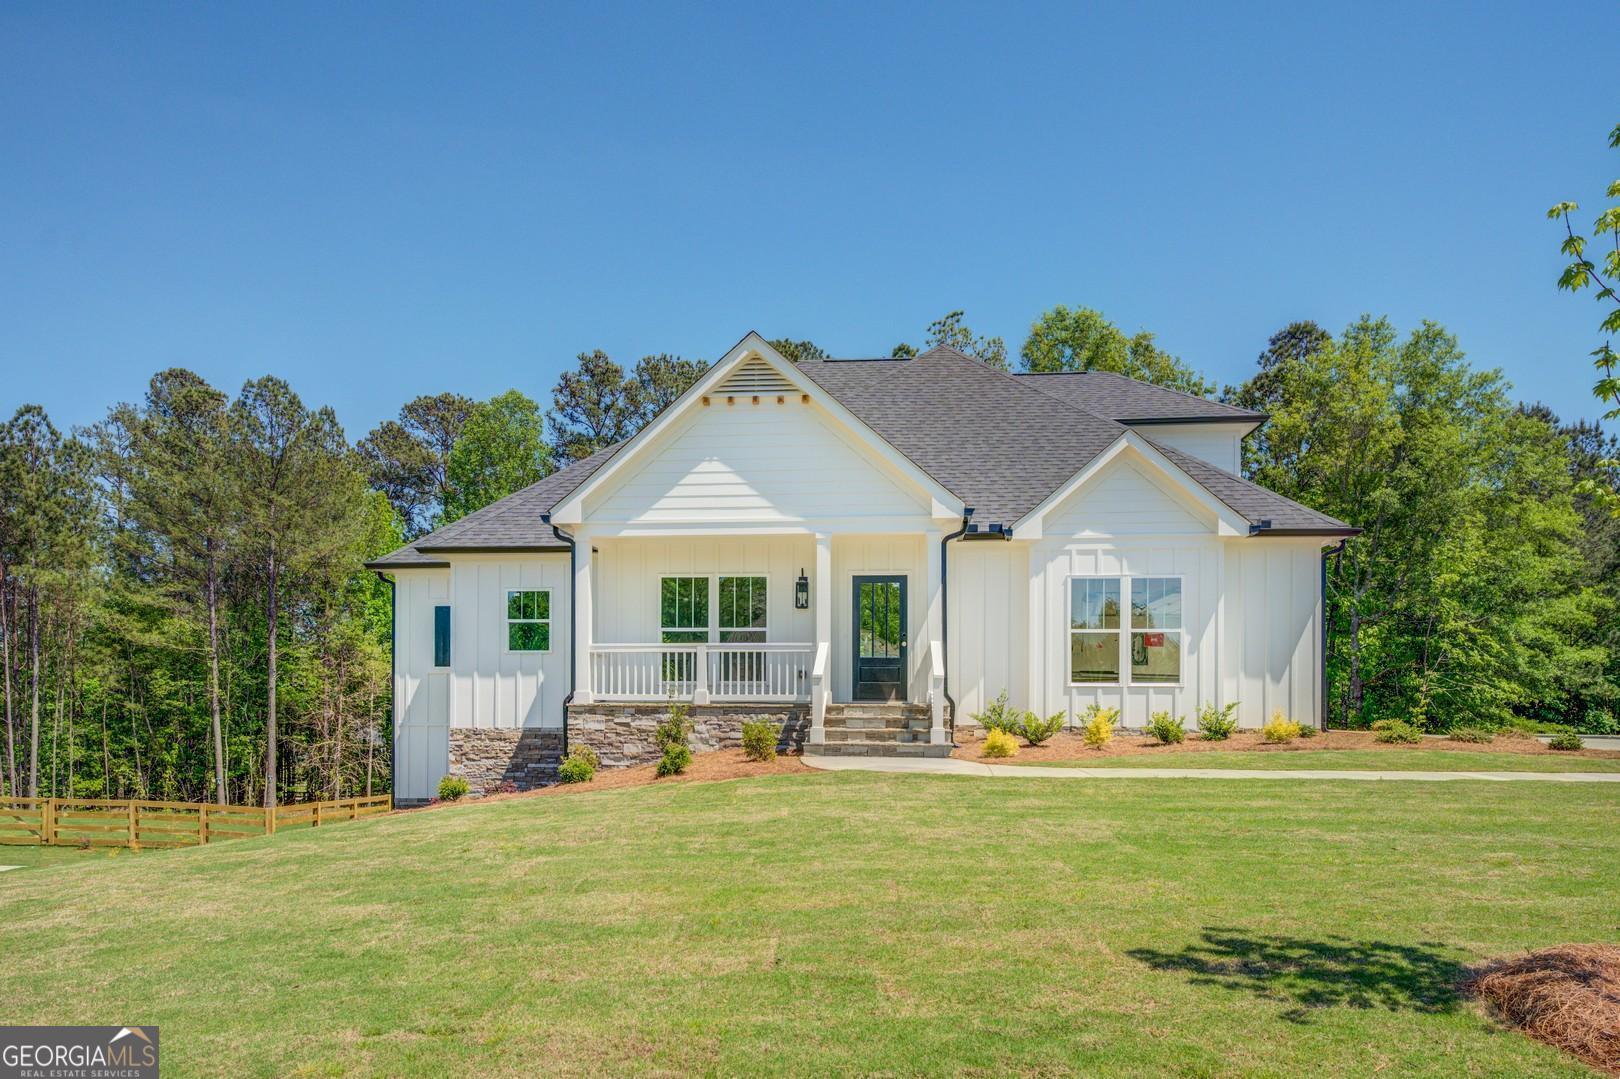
{"x":1068,"y":746}
{"x":1568,"y":997}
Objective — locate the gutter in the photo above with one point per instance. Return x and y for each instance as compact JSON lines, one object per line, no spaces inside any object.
{"x":573,"y":664}
{"x":1327,"y":552}
{"x":945,"y":611}
{"x":393,"y":676}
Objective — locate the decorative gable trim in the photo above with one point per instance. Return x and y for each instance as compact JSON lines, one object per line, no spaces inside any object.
{"x":1228,"y":521}
{"x":754,"y":360}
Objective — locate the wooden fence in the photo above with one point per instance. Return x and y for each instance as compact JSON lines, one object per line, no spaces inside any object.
{"x":135,"y":823}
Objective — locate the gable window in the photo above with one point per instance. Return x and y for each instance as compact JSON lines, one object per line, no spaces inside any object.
{"x":1100,"y":631}
{"x":528,"y":621}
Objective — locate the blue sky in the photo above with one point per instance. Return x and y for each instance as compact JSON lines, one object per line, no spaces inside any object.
{"x":377,"y":201}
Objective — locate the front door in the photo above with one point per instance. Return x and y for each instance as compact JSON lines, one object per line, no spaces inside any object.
{"x":880,"y":638}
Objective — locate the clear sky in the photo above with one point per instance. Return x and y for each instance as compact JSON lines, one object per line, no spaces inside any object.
{"x":376,"y":201}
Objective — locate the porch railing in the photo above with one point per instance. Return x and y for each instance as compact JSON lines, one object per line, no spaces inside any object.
{"x":701,"y":673}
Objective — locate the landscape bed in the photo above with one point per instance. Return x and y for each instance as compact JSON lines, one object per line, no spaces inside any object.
{"x":806,"y":922}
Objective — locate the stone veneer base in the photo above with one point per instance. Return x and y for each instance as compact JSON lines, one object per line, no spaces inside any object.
{"x":486,"y":757}
{"x":622,"y":734}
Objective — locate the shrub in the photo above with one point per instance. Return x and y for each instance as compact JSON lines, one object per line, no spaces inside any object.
{"x":1217,"y":724}
{"x":1475,"y":735}
{"x":579,"y":766}
{"x":999,"y":743}
{"x":998,"y":717}
{"x":759,"y":739}
{"x":452,"y":788}
{"x":675,"y":728}
{"x":675,"y":759}
{"x":1168,"y":730}
{"x":1307,"y":731}
{"x":1098,"y":729}
{"x":1567,"y":741}
{"x":1037,"y":730}
{"x":1280,"y":729}
{"x":1397,"y":732}
{"x":1600,"y":721}
{"x":1523,"y":725}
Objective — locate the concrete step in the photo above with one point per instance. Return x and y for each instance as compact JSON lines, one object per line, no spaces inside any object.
{"x":876,"y":749}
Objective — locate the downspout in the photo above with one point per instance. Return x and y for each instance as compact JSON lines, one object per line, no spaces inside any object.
{"x":945,"y":612}
{"x":1327,"y":552}
{"x":393,"y":675}
{"x":573,"y":553}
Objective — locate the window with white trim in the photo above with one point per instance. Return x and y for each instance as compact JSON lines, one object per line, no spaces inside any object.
{"x":683,"y":610}
{"x":1109,"y":647}
{"x":1156,"y":630}
{"x":528,"y":621}
{"x":742,"y":613}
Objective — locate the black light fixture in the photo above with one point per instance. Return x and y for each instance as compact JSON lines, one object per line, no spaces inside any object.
{"x":801,"y":591}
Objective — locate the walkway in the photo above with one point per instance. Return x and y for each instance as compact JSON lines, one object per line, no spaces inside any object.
{"x":950,"y":766}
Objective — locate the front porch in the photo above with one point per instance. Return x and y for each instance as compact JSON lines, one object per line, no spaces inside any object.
{"x":849,"y":626}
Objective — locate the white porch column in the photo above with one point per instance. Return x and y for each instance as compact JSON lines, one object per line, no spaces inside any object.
{"x":936,"y":635}
{"x":821,"y":602}
{"x":583,"y":618}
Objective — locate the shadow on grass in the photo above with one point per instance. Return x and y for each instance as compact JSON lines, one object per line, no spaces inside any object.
{"x":1334,"y":972}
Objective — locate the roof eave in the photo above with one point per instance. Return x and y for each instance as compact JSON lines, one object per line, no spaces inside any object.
{"x":1341,"y":530}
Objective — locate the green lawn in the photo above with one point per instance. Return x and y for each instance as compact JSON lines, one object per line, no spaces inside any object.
{"x":831,"y":922}
{"x":35,"y":857}
{"x":1355,"y":760}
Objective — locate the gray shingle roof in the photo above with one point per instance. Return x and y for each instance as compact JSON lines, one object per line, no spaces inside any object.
{"x":1000,"y":442}
{"x":1129,"y":401}
{"x":511,"y":524}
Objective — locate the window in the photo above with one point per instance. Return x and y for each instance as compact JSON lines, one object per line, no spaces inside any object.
{"x":742,"y":609}
{"x":441,"y":636}
{"x":528,"y":621}
{"x":1156,"y":629}
{"x":1153,"y":633}
{"x":1094,"y":629}
{"x":683,"y":610}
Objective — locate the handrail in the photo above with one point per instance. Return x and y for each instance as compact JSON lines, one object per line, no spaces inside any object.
{"x":693,"y":646}
{"x":936,"y":692}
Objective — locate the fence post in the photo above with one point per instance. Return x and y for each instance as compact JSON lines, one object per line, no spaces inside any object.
{"x":47,"y":822}
{"x":202,"y":824}
{"x":317,"y":821}
{"x":270,"y":820}
{"x":134,"y":827}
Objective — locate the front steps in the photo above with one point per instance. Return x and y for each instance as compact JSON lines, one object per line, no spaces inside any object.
{"x":877,"y":729}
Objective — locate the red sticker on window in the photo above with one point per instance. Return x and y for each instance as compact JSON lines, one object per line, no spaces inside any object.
{"x":1153,"y":640}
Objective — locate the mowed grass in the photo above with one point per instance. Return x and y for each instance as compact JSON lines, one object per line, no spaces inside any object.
{"x":1355,"y":760}
{"x":839,"y":922}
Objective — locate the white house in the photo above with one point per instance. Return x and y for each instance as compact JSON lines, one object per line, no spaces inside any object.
{"x":865,"y":550}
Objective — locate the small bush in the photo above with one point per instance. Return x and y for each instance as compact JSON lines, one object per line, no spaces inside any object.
{"x":1308,"y":731}
{"x":675,"y":728}
{"x":759,"y":739}
{"x":452,"y":788}
{"x":1396,"y":732}
{"x":675,"y":760}
{"x":997,"y":716}
{"x":1217,"y":724}
{"x":1601,"y":721}
{"x":1098,"y":730}
{"x":1475,"y":735}
{"x":999,"y":743}
{"x":1037,"y":730}
{"x":1169,"y":731}
{"x":1568,"y":741}
{"x":579,"y":766}
{"x":1281,"y":729}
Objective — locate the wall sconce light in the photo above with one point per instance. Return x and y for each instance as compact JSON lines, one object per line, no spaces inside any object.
{"x":801,"y":592}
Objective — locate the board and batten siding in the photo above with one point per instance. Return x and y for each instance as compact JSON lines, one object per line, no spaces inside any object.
{"x":989,"y":624}
{"x":1221,"y":444}
{"x":755,"y":464}
{"x":1272,"y":653}
{"x":627,"y":574}
{"x":494,"y":687}
{"x":860,"y":556}
{"x":421,"y":690}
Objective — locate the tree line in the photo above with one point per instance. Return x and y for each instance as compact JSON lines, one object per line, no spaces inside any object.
{"x":185,"y":612}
